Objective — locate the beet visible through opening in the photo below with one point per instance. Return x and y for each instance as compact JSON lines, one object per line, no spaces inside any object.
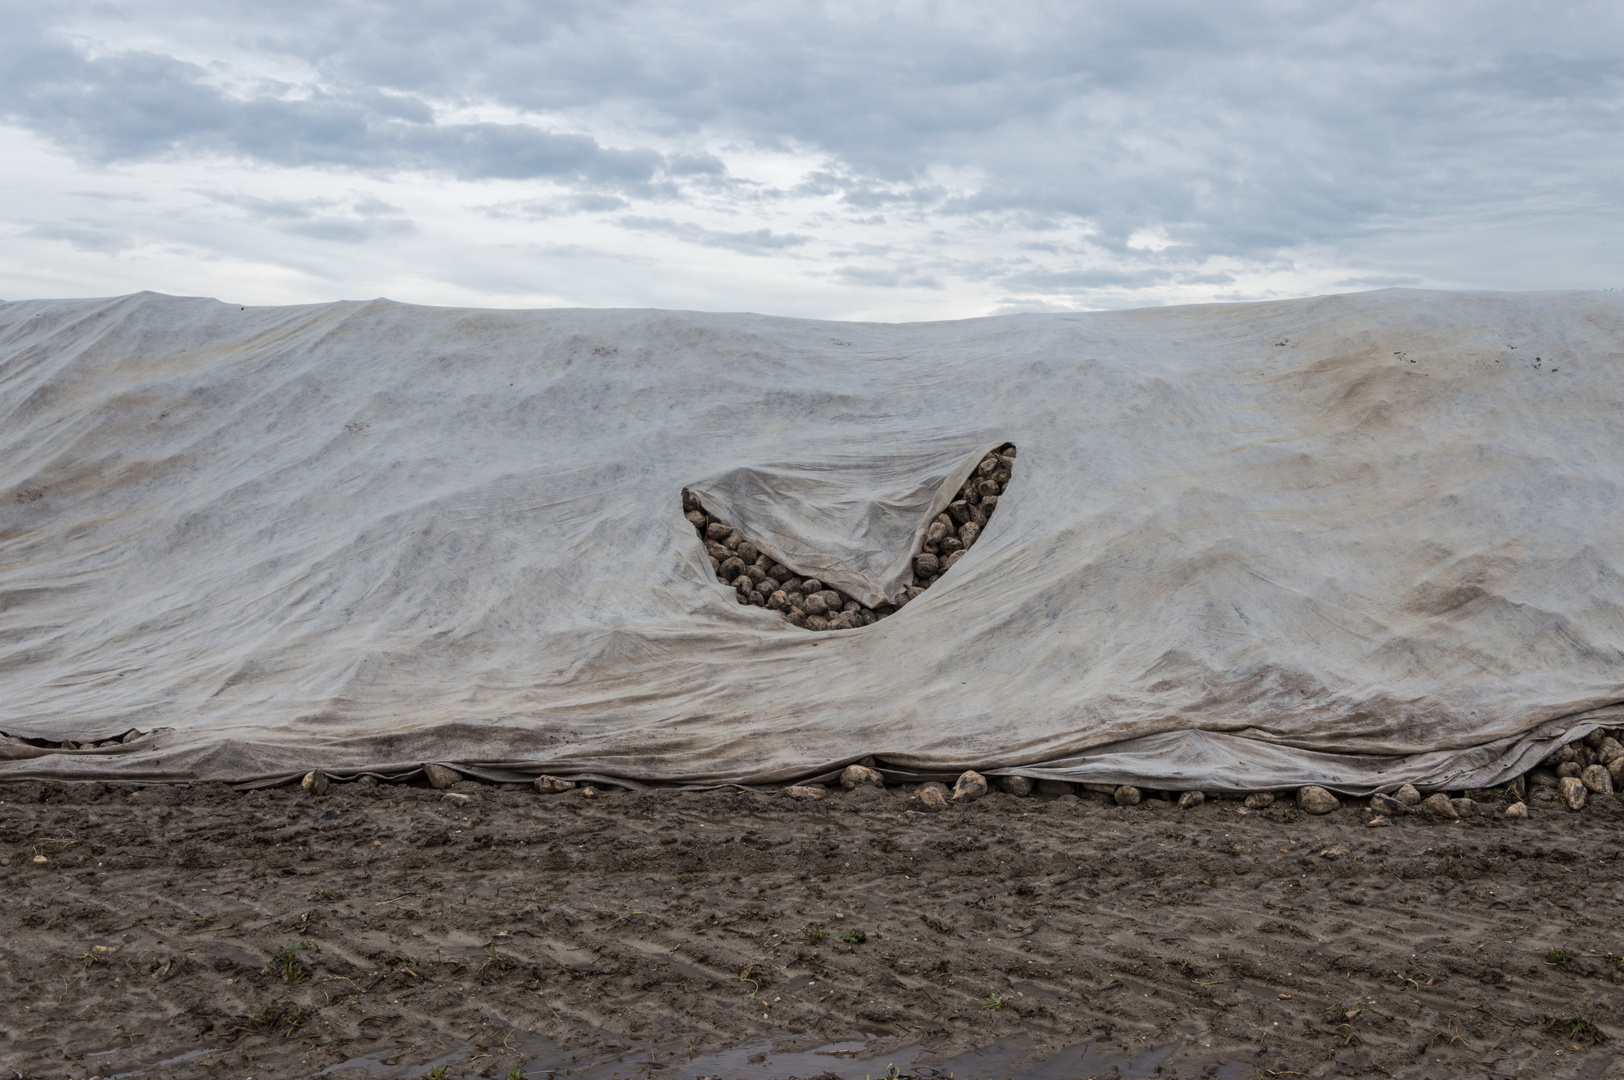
{"x":812,"y":604}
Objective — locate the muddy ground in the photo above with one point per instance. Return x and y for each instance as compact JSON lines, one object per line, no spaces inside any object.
{"x":199,"y":931}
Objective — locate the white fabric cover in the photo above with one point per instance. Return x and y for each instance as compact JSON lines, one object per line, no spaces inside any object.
{"x":1352,"y":540}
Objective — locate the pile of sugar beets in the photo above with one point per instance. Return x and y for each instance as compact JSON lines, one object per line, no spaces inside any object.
{"x":1567,"y":777}
{"x":812,"y":604}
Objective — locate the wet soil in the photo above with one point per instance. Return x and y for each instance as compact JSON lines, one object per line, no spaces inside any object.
{"x":388,"y":931}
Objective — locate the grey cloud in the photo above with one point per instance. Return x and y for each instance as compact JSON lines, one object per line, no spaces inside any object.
{"x":887,"y":278}
{"x":372,"y":206}
{"x":870,"y":250}
{"x":870,"y":198}
{"x":358,"y":221}
{"x":394,"y":106}
{"x":271,"y":208}
{"x":84,"y":236}
{"x":349,"y":231}
{"x":748,"y":242}
{"x":695,"y":165}
{"x":864,"y":193}
{"x":134,"y":105}
{"x":590,"y":202}
{"x":559,"y":206}
{"x":820,"y":183}
{"x":515,"y":151}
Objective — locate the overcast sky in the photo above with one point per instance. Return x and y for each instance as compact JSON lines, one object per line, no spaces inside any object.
{"x":868,"y":161}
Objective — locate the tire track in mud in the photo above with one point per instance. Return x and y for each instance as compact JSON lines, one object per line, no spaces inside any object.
{"x":679,"y":923}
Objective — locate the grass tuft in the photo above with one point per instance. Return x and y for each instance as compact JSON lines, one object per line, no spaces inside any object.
{"x":285,"y":961}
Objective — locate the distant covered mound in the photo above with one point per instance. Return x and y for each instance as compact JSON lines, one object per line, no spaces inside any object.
{"x":1347,"y":541}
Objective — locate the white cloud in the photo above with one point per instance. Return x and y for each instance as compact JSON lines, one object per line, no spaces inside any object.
{"x":1155,"y":239}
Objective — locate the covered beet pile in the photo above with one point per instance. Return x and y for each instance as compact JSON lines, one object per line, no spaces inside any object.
{"x":1345,"y":543}
{"x":808,"y":601}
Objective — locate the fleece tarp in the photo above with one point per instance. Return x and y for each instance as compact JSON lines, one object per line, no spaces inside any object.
{"x":1352,"y":540}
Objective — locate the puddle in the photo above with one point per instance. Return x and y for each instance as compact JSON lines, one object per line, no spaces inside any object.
{"x":388,"y":1064}
{"x":176,"y":1060}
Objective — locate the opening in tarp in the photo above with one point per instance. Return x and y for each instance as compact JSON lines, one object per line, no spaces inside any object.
{"x":773,"y":575}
